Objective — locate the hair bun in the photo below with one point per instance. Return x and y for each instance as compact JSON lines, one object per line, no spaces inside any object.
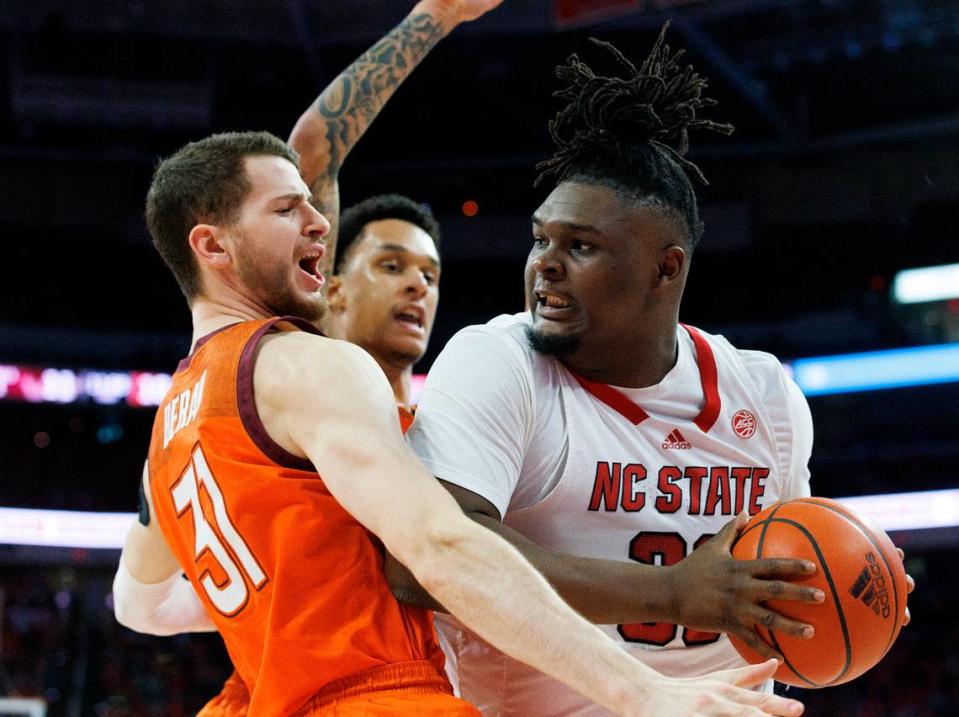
{"x":655,"y":104}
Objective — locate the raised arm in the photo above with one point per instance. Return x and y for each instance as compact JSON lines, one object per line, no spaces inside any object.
{"x":327,"y":131}
{"x":347,"y":427}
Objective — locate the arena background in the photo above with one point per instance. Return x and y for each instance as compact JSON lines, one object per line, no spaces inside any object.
{"x":842,"y":173}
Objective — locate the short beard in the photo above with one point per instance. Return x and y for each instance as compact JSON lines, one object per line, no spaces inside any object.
{"x":280,"y":300}
{"x":550,"y":345}
{"x":288,"y":304}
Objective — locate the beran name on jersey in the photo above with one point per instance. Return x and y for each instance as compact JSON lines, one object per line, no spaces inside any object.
{"x":182,"y":409}
{"x":701,"y":490}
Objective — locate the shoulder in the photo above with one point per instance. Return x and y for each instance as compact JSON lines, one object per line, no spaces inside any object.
{"x":293,"y":362}
{"x":763,"y":370}
{"x":503,"y":339}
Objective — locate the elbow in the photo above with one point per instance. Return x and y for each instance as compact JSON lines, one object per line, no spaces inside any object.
{"x":439,"y":554}
{"x":130,"y":612}
{"x":133,"y":620}
{"x":405,"y":587}
{"x":129,"y":618}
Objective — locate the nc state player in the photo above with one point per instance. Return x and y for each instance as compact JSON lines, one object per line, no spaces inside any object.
{"x":289,"y":452}
{"x":598,"y":435}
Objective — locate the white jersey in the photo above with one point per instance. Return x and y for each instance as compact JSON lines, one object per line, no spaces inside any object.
{"x":596,"y":471}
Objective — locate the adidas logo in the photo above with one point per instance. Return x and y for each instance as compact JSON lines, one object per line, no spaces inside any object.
{"x":676,"y":440}
{"x":870,"y":587}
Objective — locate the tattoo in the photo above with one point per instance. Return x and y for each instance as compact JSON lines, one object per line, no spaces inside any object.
{"x":354,"y":99}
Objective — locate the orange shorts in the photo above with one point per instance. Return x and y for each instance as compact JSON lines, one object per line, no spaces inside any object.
{"x":408,"y":688}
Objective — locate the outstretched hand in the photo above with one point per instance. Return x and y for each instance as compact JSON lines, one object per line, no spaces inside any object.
{"x":718,"y":593}
{"x":464,"y":10}
{"x":720,"y":694}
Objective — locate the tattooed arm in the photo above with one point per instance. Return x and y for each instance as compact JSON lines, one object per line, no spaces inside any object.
{"x":329,"y":128}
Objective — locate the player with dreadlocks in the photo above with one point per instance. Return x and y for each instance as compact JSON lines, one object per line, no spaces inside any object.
{"x":600,"y":436}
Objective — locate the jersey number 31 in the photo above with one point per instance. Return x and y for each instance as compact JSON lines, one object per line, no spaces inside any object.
{"x":217,"y":535}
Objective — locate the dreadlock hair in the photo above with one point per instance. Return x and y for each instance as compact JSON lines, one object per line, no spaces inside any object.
{"x":375,"y":208}
{"x":631,"y":133}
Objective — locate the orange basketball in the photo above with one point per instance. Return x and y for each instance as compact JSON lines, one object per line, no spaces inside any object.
{"x":858,"y":569}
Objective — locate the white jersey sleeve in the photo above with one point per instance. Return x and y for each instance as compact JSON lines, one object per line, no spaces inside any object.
{"x":791,"y":421}
{"x":475,"y":414}
{"x":800,"y":420}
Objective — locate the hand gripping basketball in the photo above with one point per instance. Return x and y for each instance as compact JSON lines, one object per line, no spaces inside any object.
{"x":714,"y":591}
{"x":857,"y":567}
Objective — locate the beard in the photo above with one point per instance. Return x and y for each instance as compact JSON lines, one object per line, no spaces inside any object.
{"x":560,"y":346}
{"x":280,"y":299}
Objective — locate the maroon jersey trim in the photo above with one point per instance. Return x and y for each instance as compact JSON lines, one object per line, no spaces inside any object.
{"x":185,"y":362}
{"x":634,"y":413}
{"x":246,"y":405}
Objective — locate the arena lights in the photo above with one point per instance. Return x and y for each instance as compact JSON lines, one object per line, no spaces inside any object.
{"x":65,"y":386}
{"x":930,"y":283}
{"x":874,"y":370}
{"x":63,"y":528}
{"x":78,"y":529}
{"x":822,"y":375}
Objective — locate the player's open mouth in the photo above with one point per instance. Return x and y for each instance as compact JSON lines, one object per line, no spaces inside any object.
{"x":413,"y":316}
{"x":550,"y":305}
{"x":309,"y":265}
{"x":551,"y":300}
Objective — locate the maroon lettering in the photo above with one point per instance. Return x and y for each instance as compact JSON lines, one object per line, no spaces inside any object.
{"x":670,"y":499}
{"x":757,"y":489}
{"x":695,"y":474}
{"x":718,"y":491}
{"x":654,"y":549}
{"x":606,"y":486}
{"x":740,"y":475}
{"x":633,"y":498}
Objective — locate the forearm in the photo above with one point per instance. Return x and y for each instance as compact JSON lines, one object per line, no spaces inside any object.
{"x":168,"y":607}
{"x":605,"y":592}
{"x":487,"y":584}
{"x":329,"y":129}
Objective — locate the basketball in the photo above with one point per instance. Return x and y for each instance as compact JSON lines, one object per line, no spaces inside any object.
{"x":858,"y":569}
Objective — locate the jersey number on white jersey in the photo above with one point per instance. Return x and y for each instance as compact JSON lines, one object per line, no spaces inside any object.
{"x":218,"y":536}
{"x":655,"y":548}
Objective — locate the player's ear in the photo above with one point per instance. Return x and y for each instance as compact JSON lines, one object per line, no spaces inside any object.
{"x":335,"y":296}
{"x":208,"y":247}
{"x":671,"y":264}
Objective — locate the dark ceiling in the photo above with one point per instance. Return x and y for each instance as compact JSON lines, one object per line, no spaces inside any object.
{"x":843,"y":167}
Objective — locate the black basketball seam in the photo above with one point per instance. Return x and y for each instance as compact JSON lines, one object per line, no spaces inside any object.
{"x":863,"y":529}
{"x":759,"y":551}
{"x":832,"y":587}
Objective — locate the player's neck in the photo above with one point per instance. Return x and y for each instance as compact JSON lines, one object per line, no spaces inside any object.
{"x":209,"y":315}
{"x":400,"y":380}
{"x":644,"y":362}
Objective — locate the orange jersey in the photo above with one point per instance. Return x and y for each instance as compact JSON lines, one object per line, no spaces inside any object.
{"x":293,"y":582}
{"x":234,"y":698}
